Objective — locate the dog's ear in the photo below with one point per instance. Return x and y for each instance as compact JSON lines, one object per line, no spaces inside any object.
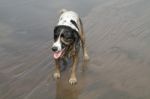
{"x":55,"y":29}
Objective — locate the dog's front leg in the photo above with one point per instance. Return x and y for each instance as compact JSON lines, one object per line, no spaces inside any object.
{"x":73,"y":79}
{"x":56,"y":74}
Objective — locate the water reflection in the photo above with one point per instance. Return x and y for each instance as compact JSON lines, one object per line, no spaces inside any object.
{"x":66,"y":91}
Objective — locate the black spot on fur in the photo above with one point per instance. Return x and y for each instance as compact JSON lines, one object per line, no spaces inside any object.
{"x":74,"y":23}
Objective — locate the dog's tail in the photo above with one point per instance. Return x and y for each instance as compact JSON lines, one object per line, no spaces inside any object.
{"x":62,"y":11}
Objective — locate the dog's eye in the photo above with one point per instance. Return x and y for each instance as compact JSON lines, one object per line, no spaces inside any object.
{"x":66,"y":37}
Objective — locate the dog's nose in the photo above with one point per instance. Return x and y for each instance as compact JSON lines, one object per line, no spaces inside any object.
{"x":54,"y":48}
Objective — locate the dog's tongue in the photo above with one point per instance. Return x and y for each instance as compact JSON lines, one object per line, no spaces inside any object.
{"x":57,"y":54}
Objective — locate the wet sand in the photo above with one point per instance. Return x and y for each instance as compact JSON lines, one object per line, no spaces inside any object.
{"x":117,"y":36}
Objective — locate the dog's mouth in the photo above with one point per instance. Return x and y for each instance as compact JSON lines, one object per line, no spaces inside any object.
{"x":59,"y":54}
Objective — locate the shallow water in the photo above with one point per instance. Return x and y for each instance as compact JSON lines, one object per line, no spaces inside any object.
{"x":117,"y":36}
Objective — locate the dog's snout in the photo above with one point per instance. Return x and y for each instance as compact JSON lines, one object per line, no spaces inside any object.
{"x":54,"y":48}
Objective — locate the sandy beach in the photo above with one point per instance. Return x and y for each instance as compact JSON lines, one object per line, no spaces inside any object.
{"x":117,"y":37}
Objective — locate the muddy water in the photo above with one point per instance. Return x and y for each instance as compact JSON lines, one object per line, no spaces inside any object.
{"x":117,"y":35}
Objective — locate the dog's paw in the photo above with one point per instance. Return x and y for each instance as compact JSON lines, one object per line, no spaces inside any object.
{"x":73,"y":81}
{"x":56,"y":75}
{"x":86,"y":57}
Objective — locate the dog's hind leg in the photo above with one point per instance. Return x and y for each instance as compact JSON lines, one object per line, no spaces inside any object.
{"x":56,"y":74}
{"x":82,"y":37}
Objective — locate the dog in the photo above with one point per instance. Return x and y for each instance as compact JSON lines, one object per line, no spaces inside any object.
{"x":68,"y":37}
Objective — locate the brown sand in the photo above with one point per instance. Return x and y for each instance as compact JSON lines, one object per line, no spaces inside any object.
{"x":118,"y":38}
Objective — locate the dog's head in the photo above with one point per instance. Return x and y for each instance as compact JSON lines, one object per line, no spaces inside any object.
{"x":64,"y":37}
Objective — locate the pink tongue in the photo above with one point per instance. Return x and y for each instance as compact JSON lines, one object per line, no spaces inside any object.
{"x":57,"y":54}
